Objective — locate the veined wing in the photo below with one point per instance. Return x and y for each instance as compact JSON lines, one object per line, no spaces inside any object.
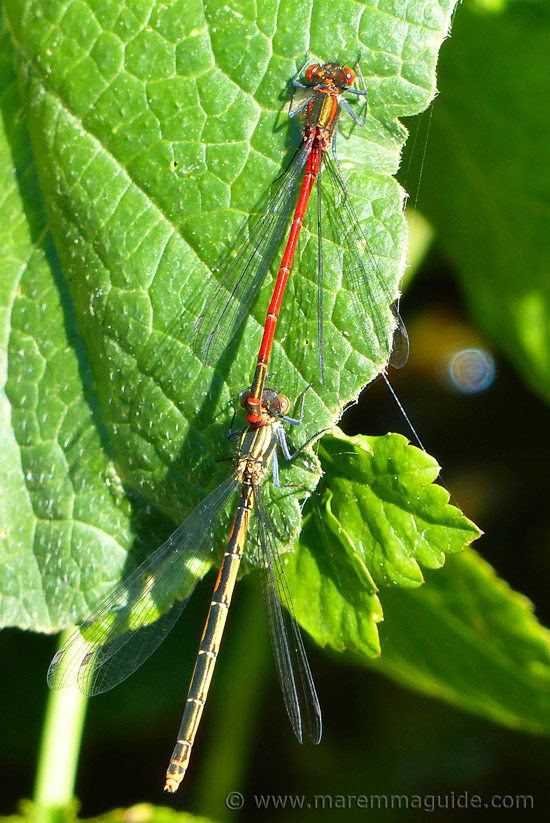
{"x":136,"y":617}
{"x":297,"y":685}
{"x":230,"y":304}
{"x":371,"y":295}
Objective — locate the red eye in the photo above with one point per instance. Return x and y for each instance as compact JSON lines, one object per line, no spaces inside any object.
{"x":349,"y":76}
{"x":311,"y":71}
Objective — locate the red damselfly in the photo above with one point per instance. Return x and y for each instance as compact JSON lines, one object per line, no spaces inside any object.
{"x":370,"y":296}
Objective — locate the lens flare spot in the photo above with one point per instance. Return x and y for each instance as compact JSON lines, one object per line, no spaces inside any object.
{"x":471,"y":370}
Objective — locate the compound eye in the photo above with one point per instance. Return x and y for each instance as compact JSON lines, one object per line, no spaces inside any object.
{"x":284,"y":404}
{"x":311,"y":71}
{"x":243,"y":397}
{"x":349,"y":76}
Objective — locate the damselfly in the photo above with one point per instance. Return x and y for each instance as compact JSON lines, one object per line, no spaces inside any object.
{"x":132,"y":622}
{"x":370,"y":295}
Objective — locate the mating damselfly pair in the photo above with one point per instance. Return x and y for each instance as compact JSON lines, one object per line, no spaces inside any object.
{"x":124,"y":631}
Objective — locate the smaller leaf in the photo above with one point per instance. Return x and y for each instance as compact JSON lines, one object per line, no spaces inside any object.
{"x":335,"y":600}
{"x":381,"y":517}
{"x":385,"y":498}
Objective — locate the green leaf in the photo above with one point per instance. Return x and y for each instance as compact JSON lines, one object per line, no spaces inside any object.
{"x":464,"y":636}
{"x":142,"y":812}
{"x":469,"y":639}
{"x":137,"y":140}
{"x":484,"y":183}
{"x":382,"y":518}
{"x":59,"y":486}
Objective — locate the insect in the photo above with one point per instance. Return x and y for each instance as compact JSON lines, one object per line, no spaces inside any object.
{"x":312,"y":164}
{"x":132,"y":622}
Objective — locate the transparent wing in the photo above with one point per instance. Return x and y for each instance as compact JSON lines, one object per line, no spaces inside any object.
{"x":371,"y":295}
{"x":400,"y":343}
{"x":136,"y":617}
{"x":239,"y":285}
{"x":297,"y":685}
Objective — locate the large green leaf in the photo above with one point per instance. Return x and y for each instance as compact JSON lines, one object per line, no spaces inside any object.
{"x":467,"y":638}
{"x":485,"y":180}
{"x":139,"y":139}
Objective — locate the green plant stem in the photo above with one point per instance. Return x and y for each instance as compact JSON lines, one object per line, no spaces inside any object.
{"x":59,"y":749}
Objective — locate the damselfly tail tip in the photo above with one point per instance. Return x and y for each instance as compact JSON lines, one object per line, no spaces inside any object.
{"x":171,"y":784}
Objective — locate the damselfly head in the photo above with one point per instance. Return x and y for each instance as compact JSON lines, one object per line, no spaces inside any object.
{"x":272,"y":402}
{"x":331,"y":73}
{"x":278,"y":405}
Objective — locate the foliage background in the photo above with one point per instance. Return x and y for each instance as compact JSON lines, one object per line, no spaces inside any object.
{"x":486,"y":282}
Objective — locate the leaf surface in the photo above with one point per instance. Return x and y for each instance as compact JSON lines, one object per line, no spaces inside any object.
{"x":464,"y":636}
{"x":137,"y":141}
{"x":380,"y":519}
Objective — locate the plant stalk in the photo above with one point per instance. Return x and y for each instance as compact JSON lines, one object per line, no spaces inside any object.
{"x":59,"y":750}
